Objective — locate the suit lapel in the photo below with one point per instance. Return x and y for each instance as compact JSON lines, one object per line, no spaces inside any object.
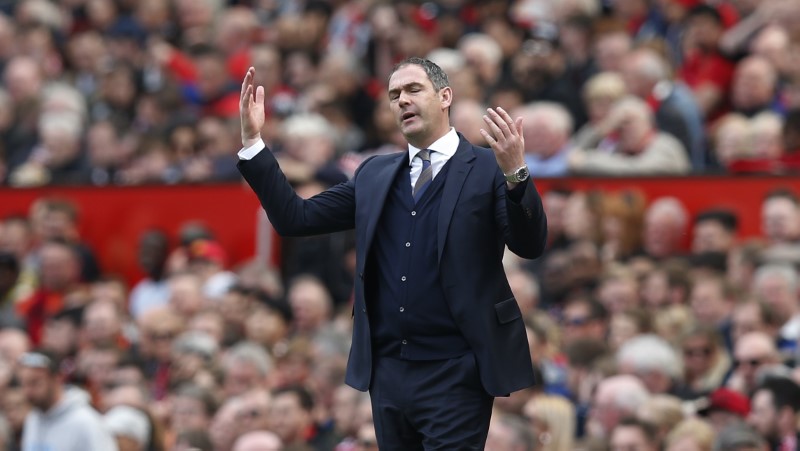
{"x":460,"y":165}
{"x":382,"y":181}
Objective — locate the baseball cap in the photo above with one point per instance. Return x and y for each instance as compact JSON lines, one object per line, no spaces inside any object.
{"x":203,"y":249}
{"x":727,"y":400}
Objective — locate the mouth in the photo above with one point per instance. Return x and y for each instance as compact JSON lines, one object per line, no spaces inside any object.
{"x":407,"y":116}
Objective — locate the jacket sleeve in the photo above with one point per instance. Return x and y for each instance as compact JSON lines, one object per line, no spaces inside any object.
{"x":330,"y":211}
{"x":524,"y":223}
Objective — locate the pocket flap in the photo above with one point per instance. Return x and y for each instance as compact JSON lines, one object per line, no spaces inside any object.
{"x":507,"y":311}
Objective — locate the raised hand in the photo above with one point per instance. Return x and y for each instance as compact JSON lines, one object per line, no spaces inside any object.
{"x":251,"y":110}
{"x":505,"y":139}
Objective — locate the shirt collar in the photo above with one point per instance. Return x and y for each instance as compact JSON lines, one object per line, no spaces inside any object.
{"x":447,"y":144}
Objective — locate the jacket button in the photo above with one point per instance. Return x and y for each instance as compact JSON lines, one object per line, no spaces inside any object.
{"x":361,"y":275}
{"x":363,"y":310}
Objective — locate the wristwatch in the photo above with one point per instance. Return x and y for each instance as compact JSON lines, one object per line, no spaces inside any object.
{"x":519,"y":175}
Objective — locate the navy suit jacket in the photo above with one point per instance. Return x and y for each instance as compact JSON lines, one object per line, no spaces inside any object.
{"x":476,"y":220}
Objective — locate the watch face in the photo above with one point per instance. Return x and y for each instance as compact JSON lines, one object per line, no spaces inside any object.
{"x":522,"y":173}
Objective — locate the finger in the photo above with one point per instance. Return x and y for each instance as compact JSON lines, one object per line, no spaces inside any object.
{"x":518,"y":125}
{"x":489,"y":139}
{"x":507,"y":119}
{"x":248,"y":92}
{"x":246,"y":82}
{"x":498,"y":134}
{"x":498,"y":120}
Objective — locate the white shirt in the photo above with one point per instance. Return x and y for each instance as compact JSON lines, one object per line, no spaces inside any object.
{"x":443,"y":148}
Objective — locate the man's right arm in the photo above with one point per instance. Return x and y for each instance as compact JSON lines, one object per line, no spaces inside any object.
{"x":330,"y":211}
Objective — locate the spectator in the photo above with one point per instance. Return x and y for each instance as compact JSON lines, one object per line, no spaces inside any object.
{"x":705,"y":359}
{"x":754,"y":87}
{"x":665,"y":223}
{"x":705,"y":69}
{"x":293,"y":422}
{"x":675,"y":111}
{"x":61,"y":417}
{"x":616,"y":398}
{"x":652,"y":359}
{"x":714,"y":231}
{"x":637,"y":149}
{"x":753,"y":352}
{"x":130,"y":427}
{"x":584,"y":319}
{"x":753,"y":316}
{"x":691,"y":433}
{"x":633,"y":434}
{"x":552,"y":419}
{"x":509,"y":433}
{"x":246,"y":366}
{"x":739,"y":437}
{"x":152,"y":291}
{"x":780,"y":217}
{"x":776,"y":286}
{"x":724,"y":408}
{"x":600,"y":93}
{"x":664,"y":412}
{"x":547,"y":127}
{"x":775,"y":405}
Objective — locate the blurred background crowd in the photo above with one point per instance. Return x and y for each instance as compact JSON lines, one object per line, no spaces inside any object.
{"x":651,"y":328}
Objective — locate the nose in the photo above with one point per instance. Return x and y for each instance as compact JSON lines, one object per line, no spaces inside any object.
{"x":403,"y":99}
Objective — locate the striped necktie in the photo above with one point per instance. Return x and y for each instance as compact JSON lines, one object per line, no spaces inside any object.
{"x":425,"y":176}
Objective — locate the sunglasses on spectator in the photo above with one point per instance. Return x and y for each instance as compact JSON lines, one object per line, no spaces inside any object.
{"x":577,"y":321}
{"x":161,"y":335}
{"x":749,"y":362}
{"x":704,"y":351}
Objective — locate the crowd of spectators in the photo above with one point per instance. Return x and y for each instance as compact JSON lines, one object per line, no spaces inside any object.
{"x":641,"y":339}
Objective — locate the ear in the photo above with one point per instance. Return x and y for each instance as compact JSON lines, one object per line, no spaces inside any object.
{"x":446,"y":97}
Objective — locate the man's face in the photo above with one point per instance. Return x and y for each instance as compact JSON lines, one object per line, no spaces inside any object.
{"x":39,"y":387}
{"x":780,"y":220}
{"x":749,"y":357}
{"x":763,"y":416}
{"x":420,"y":111}
{"x":287,"y":417}
{"x":711,"y":236}
{"x":708,"y":303}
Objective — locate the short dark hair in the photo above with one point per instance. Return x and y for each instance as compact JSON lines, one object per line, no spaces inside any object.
{"x":785,"y":392}
{"x":726,"y":218}
{"x":596,"y":309}
{"x":706,"y":11}
{"x":785,"y":193}
{"x":435,"y":74}
{"x":302,"y":394}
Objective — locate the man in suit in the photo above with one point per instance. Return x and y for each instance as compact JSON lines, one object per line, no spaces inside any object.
{"x":437,"y":333}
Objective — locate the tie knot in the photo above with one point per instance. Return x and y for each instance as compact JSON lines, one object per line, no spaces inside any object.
{"x":424,"y":155}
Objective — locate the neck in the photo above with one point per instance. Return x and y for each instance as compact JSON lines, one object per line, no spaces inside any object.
{"x":425,"y":142}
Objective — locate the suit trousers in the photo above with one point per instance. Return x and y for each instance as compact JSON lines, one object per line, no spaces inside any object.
{"x":429,"y":405}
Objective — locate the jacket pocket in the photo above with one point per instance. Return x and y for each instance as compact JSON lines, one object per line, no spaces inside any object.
{"x":507,"y":311}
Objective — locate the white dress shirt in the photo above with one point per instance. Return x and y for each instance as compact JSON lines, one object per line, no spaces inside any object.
{"x":442,"y":149}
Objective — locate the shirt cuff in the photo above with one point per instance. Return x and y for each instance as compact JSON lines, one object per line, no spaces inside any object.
{"x":517,"y":192}
{"x":250,"y":152}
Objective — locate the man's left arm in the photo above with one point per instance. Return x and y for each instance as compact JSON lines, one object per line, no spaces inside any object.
{"x":524,"y":224}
